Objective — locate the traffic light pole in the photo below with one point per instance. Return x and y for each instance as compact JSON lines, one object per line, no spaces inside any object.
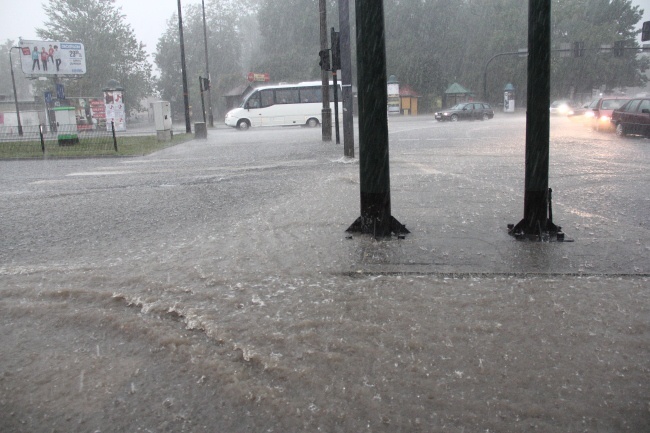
{"x":202,"y":98}
{"x":578,"y":51}
{"x":376,"y":218}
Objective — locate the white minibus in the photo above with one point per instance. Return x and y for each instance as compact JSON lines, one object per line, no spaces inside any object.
{"x":283,"y":105}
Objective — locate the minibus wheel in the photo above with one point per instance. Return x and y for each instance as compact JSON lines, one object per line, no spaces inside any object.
{"x":312,"y":122}
{"x":243,"y":125}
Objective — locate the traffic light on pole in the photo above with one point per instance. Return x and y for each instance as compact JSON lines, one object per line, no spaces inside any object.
{"x":206,"y":84}
{"x":578,"y":49}
{"x":324,"y":60}
{"x":619,"y":46}
{"x":645,"y":31}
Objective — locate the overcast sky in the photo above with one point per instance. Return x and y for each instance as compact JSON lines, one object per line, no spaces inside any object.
{"x":20,"y":18}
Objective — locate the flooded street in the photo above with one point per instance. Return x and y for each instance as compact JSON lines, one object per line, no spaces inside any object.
{"x":211,"y":287}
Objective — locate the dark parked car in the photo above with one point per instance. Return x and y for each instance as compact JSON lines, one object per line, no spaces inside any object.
{"x":600,"y":112}
{"x":466,"y":111}
{"x":633,"y":118}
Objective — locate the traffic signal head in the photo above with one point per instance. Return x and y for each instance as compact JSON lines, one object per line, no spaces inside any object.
{"x":619,"y":47}
{"x":324,"y":60}
{"x":578,"y":49}
{"x":645,"y":31}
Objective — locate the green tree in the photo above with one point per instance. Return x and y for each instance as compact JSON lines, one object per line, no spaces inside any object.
{"x":223,"y":30}
{"x":433,"y":43}
{"x":290,"y":41}
{"x":596,"y":23}
{"x":112,"y":49}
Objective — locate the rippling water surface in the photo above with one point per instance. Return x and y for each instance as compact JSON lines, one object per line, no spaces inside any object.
{"x":212,"y":287}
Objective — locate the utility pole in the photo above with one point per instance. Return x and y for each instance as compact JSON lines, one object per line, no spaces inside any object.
{"x":376,"y":218}
{"x":346,"y":78}
{"x":186,"y":99}
{"x":207,"y":69}
{"x":327,"y":110}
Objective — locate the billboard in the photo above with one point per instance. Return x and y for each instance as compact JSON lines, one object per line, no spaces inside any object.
{"x":52,"y":58}
{"x":114,"y":110}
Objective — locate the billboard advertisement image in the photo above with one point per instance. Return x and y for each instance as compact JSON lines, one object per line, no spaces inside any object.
{"x":115,"y":111}
{"x":52,"y":58}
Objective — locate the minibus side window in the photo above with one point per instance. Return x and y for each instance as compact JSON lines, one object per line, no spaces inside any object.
{"x":286,"y":96}
{"x":267,"y":98}
{"x":311,"y":94}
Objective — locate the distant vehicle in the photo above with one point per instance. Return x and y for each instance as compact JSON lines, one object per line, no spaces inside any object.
{"x":282,"y":105}
{"x":633,"y":118}
{"x":563,"y":107}
{"x":466,"y":111}
{"x":580,"y":110}
{"x":599,"y":112}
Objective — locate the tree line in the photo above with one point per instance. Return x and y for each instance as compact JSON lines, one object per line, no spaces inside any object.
{"x":430,"y":44}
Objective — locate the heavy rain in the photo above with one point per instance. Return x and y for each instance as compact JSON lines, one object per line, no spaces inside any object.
{"x":212,"y":285}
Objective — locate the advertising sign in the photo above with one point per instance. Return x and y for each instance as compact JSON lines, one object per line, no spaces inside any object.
{"x":115,"y":111}
{"x":52,"y":58}
{"x":254,"y":76}
{"x":393,"y":98}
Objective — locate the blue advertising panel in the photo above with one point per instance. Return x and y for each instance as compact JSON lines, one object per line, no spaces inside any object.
{"x":60,"y":91}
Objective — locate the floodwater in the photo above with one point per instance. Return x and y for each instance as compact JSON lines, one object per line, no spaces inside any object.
{"x":211,"y":287}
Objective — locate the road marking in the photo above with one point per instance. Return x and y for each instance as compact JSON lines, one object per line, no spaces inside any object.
{"x":99,"y":173}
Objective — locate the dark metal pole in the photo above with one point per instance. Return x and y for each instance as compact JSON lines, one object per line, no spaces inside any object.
{"x":202,"y":100}
{"x":346,"y":78}
{"x":336,"y":107}
{"x":326,"y":113}
{"x":186,"y":99}
{"x":40,"y":133}
{"x":376,"y":215}
{"x":536,"y":222}
{"x":113,"y":133}
{"x":13,"y":83}
{"x":335,"y":40}
{"x":207,"y":69}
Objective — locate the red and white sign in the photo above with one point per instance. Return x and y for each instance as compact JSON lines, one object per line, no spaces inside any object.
{"x":115,"y":111}
{"x":253,"y":76}
{"x":98,"y":109}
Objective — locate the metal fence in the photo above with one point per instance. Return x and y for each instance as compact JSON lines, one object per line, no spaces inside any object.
{"x":30,"y":141}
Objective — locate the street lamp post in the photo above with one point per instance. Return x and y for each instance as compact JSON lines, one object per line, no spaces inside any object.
{"x":13,"y":83}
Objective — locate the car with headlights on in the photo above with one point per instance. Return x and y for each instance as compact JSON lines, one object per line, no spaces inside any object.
{"x":600,"y":111}
{"x":466,"y":111}
{"x":562,"y":107}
